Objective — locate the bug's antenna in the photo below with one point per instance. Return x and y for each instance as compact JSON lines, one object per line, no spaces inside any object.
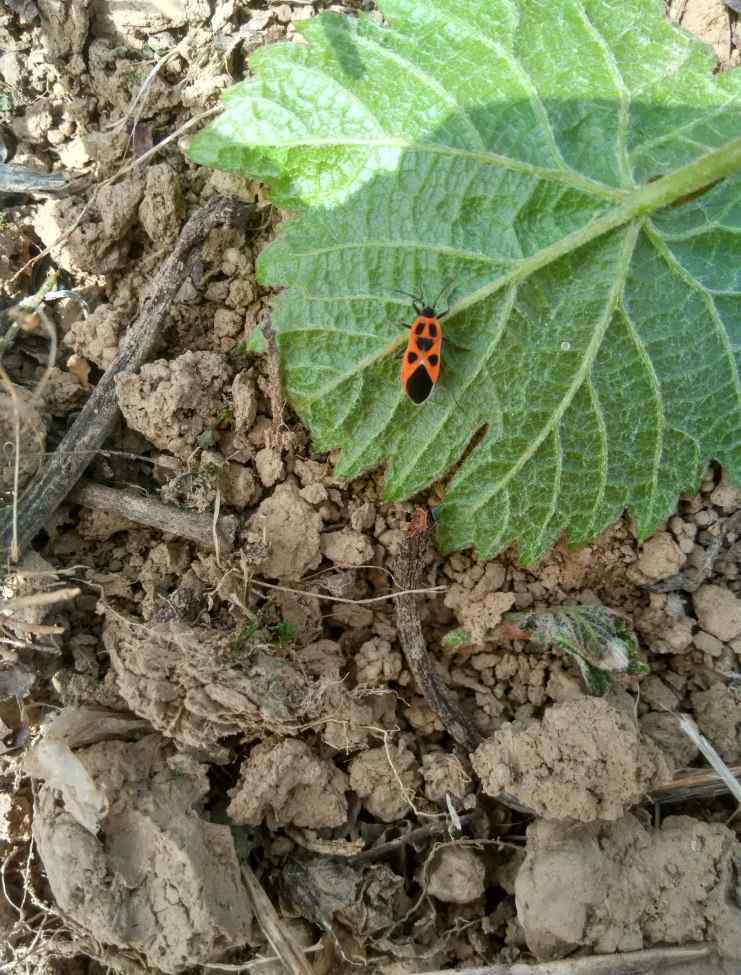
{"x":442,"y":292}
{"x":408,"y":295}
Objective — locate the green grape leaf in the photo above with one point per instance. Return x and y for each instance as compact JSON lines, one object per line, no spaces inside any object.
{"x":575,"y":172}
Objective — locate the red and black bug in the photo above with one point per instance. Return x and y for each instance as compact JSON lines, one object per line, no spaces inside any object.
{"x":420,"y":367}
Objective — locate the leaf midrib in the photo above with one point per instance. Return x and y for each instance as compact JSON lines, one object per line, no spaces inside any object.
{"x":643,"y":201}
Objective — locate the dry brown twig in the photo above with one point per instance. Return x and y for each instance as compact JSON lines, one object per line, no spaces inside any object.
{"x":341,"y":599}
{"x":275,"y":931}
{"x":408,"y":569}
{"x":202,"y":528}
{"x":99,"y":415}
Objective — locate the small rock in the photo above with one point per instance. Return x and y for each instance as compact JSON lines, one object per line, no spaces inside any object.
{"x":377,"y":663}
{"x":287,"y":784}
{"x":726,"y":496}
{"x":160,"y":208}
{"x":665,"y":731}
{"x":456,"y":875}
{"x":118,"y":205}
{"x":386,"y":791}
{"x":239,"y":485}
{"x":706,"y":643}
{"x":347,"y":547}
{"x":444,"y":775}
{"x":718,"y":611}
{"x":585,"y":760}
{"x":270,"y":466}
{"x":656,"y":694}
{"x":364,"y":517}
{"x":244,"y":402}
{"x":172,"y":402}
{"x":356,"y":617}
{"x":314,"y":493}
{"x":718,"y":715}
{"x":291,"y":528}
{"x":660,"y":557}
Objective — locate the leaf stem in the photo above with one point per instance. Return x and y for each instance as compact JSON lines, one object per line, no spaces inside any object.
{"x":644,"y":200}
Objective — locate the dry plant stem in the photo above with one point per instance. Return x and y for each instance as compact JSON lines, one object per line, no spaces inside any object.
{"x":97,"y":419}
{"x":653,"y":961}
{"x":413,"y":836}
{"x":694,"y":784}
{"x":274,"y":930}
{"x":197,"y":527}
{"x":41,"y":598}
{"x":341,"y":599}
{"x":275,"y":389}
{"x":407,"y":570}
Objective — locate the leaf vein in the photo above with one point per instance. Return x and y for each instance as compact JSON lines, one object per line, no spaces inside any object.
{"x":659,"y":407}
{"x":426,"y":79}
{"x":589,"y":355}
{"x":644,"y":147}
{"x":623,"y":96}
{"x":464,"y":255}
{"x":604,"y":453}
{"x":689,"y":279}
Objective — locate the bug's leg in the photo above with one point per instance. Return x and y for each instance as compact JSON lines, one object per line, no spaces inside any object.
{"x":456,"y":345}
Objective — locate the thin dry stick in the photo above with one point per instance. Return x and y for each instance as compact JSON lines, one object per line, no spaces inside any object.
{"x":274,"y":389}
{"x":413,"y":836}
{"x":646,"y":962}
{"x":354,"y":602}
{"x":694,"y":784}
{"x":41,"y":598}
{"x":99,"y":415}
{"x":201,"y":528}
{"x":275,"y":931}
{"x":217,"y":966}
{"x":407,"y":568}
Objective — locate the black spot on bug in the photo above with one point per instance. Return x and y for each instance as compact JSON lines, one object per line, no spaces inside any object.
{"x":432,"y":329}
{"x":419,"y":328}
{"x":433,"y":359}
{"x":419,"y":386}
{"x":425,"y":344}
{"x":412,"y":357}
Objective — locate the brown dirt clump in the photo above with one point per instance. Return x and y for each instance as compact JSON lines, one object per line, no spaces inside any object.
{"x":628,"y":887}
{"x":119,"y":883}
{"x":173,"y":403}
{"x":286,"y":784}
{"x":585,"y":760}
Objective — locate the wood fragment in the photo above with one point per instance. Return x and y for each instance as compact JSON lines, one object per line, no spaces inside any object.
{"x":696,"y":783}
{"x":28,"y":182}
{"x":40,"y":598}
{"x":194,"y":525}
{"x":407,"y":570}
{"x":98,"y":417}
{"x":413,"y":836}
{"x":652,"y":961}
{"x":279,"y":938}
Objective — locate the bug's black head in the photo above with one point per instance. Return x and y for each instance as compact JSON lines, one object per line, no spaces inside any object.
{"x":428,"y":312}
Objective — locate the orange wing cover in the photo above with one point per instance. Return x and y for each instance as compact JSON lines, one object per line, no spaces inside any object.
{"x":420,"y":367}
